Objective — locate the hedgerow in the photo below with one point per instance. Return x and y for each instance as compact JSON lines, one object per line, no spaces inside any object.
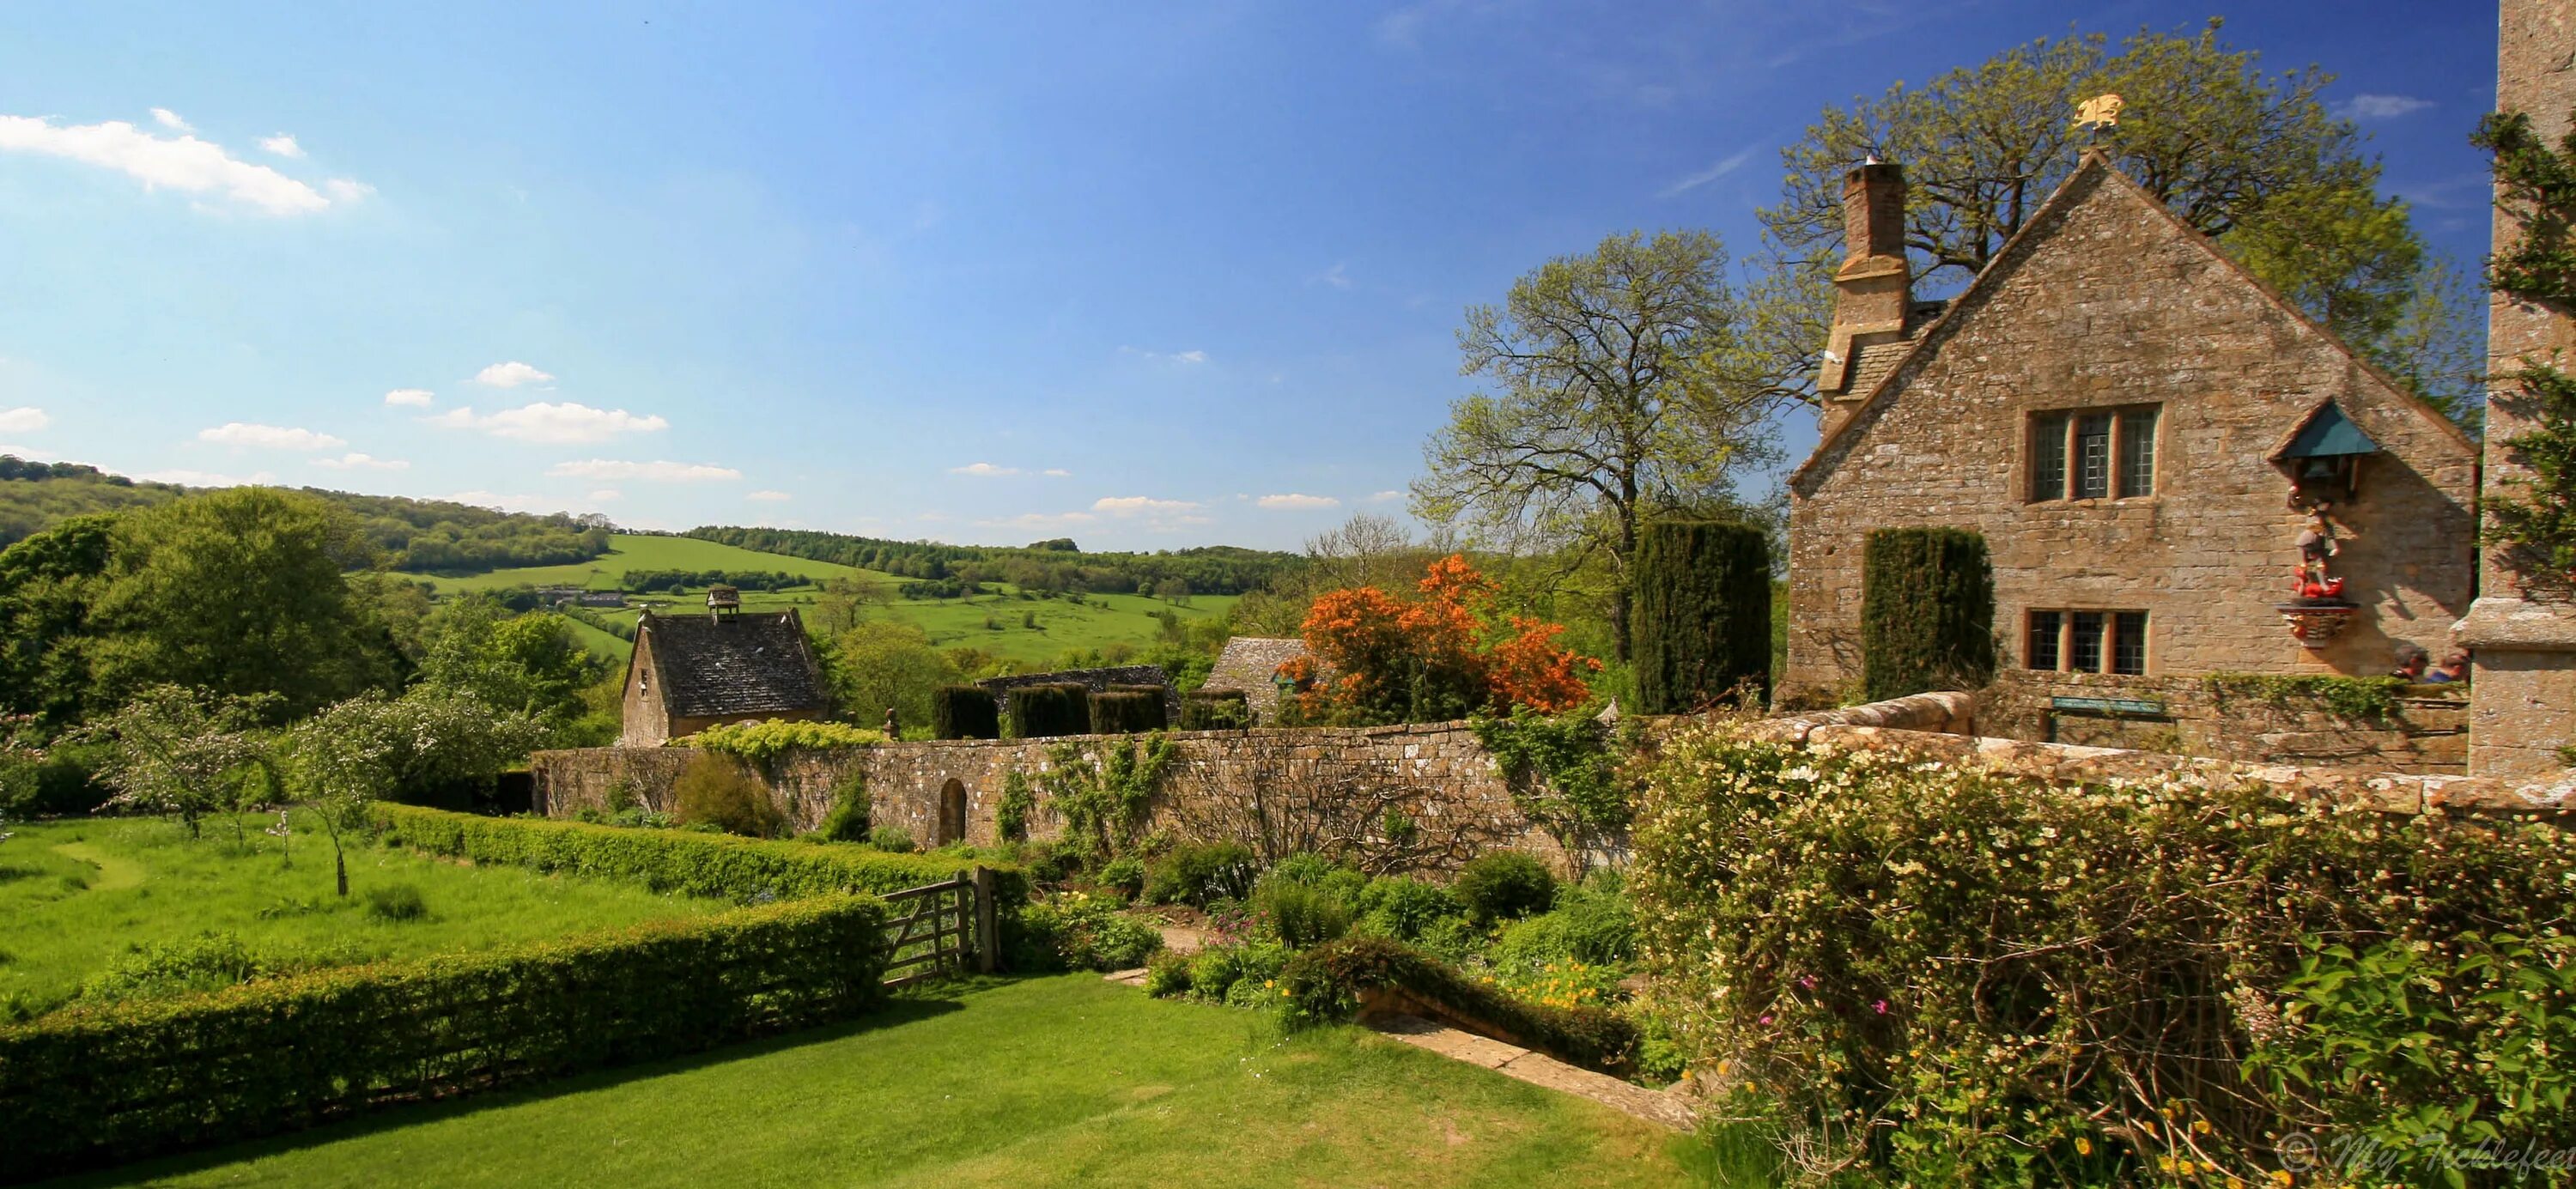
{"x":90,"y":1086}
{"x":964,"y":712}
{"x":1048,"y":711}
{"x":1948,"y":975}
{"x":692,"y":863}
{"x":763,"y":742}
{"x":1328,"y":983}
{"x":1127,"y":712}
{"x":1215,"y":710}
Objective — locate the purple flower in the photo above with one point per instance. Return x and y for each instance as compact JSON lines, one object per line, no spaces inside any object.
{"x":1766,"y":1019}
{"x":1807,"y":981}
{"x":1880,"y":1007}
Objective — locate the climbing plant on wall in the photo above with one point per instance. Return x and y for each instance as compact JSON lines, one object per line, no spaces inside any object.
{"x":2534,"y":519}
{"x":1104,"y":795}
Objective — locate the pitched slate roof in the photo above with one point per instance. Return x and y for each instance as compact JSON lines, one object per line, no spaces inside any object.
{"x":1251,"y":664}
{"x":748,"y":664}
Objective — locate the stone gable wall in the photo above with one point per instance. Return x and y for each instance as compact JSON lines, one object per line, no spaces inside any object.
{"x":2116,"y":307}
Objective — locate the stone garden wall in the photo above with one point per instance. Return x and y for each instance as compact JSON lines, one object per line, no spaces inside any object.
{"x":2426,"y":731}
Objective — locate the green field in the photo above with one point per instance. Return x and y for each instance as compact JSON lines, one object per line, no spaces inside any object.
{"x":77,"y":895}
{"x":1054,"y":1081}
{"x":1099,"y":622}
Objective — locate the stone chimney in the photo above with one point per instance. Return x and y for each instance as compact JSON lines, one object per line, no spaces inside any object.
{"x":1873,"y":288}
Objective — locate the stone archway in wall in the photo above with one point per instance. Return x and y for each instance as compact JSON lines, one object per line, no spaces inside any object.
{"x":952,"y":813}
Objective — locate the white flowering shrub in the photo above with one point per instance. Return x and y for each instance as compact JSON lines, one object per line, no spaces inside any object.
{"x":1920,"y":971}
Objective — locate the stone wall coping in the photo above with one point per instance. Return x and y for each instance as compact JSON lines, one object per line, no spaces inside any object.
{"x":1944,"y":712}
{"x":1308,"y":734}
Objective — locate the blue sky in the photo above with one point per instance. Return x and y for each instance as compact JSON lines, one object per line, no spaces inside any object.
{"x":1148,"y":276}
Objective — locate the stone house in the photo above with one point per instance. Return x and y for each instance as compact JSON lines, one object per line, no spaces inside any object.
{"x":2123,"y":412}
{"x":691,"y":672}
{"x":1251,"y":664}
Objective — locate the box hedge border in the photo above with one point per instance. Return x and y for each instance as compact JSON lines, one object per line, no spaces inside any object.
{"x":1333,"y":982}
{"x":95,"y":1086}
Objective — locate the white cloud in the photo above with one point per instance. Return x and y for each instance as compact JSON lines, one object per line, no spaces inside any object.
{"x":23,"y":420}
{"x":1057,"y":473}
{"x":25,"y":452}
{"x":1723,"y":167}
{"x":268,"y":437}
{"x":1336,"y":276}
{"x":188,"y":478}
{"x":1136,"y":505}
{"x":606,"y":495}
{"x":1165,"y":357}
{"x":347,"y":190}
{"x":771,"y":497}
{"x":544,"y":422}
{"x":650,"y":472}
{"x":282,"y":145}
{"x":170,"y":119}
{"x":1295,"y":502}
{"x":416,"y":397}
{"x":983,"y":470}
{"x":503,"y":503}
{"x":1380,"y":497}
{"x":181,"y":163}
{"x":511,"y":375}
{"x":361,"y":462}
{"x":2380,"y":107}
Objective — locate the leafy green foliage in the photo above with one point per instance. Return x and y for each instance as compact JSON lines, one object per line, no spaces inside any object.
{"x":964,"y":712}
{"x":181,"y":753}
{"x":847,"y":820}
{"x":720,"y":792}
{"x":1302,"y":915}
{"x":1927,"y":612}
{"x":1703,"y":633}
{"x":210,"y":961}
{"x":2363,"y":699}
{"x":1326,"y":984}
{"x":1935,"y":970}
{"x":892,"y":839}
{"x":37,"y":497}
{"x":1405,"y":909}
{"x":1216,"y":569}
{"x":763,"y":742}
{"x":1502,"y":885}
{"x":1605,"y":410}
{"x":1011,"y":814}
{"x":1124,"y":712}
{"x":2539,"y":182}
{"x":1048,"y":711}
{"x":1561,"y":772}
{"x":1078,"y":931}
{"x":277,"y":1054}
{"x":885,"y":665}
{"x":396,"y":902}
{"x":1197,"y":873}
{"x":1103,"y":791}
{"x":1215,"y":710}
{"x":526,"y":664}
{"x":49,"y":589}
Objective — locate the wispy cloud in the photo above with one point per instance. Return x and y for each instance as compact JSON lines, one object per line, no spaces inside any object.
{"x":1338,"y":276}
{"x":1295,"y":502}
{"x":1723,"y":166}
{"x":2380,"y":107}
{"x":268,"y":437}
{"x":983,"y":470}
{"x":658,"y":471}
{"x":282,"y":145}
{"x":545,"y":422}
{"x":354,"y":461}
{"x":170,"y":119}
{"x":182,"y":162}
{"x":23,"y":420}
{"x":1164,"y":356}
{"x":1135,"y":505}
{"x":188,"y":478}
{"x":1380,"y":497}
{"x":414,"y":397}
{"x":770,"y":497}
{"x":1057,"y":473}
{"x":511,"y":375}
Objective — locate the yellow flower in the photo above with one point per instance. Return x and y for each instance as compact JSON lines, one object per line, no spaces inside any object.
{"x":2083,"y":1146}
{"x":1268,"y":983}
{"x":2201,"y":1126}
{"x":2281,"y":1177}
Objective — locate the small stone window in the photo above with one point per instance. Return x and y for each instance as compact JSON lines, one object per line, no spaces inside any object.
{"x":2087,"y":642}
{"x":2093,"y":454}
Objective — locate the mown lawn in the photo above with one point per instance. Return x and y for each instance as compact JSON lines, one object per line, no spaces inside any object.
{"x":75,"y":895}
{"x":1054,"y":1081}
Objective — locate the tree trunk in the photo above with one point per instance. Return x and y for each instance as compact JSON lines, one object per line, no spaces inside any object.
{"x":340,"y":864}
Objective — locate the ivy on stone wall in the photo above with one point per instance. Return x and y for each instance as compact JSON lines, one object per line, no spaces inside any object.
{"x":1011,"y":817}
{"x":2344,"y":697}
{"x":1104,"y":798}
{"x":2534,"y":520}
{"x":1563,"y":772}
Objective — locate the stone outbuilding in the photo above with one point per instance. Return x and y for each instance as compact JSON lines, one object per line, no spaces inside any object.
{"x":691,"y":672}
{"x":2140,"y":429}
{"x":1251,"y":664}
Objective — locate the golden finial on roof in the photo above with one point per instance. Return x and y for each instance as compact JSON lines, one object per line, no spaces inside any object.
{"x":2099,"y":112}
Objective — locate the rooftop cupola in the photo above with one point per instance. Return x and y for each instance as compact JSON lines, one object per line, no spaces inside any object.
{"x":724,"y":602}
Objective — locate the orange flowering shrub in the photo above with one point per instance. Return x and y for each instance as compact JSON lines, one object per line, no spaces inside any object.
{"x":1444,"y":655}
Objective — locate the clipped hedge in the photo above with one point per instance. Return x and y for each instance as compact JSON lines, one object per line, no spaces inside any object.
{"x":88,"y":1087}
{"x":1927,"y":613}
{"x":1327,"y":984}
{"x":1124,"y":712}
{"x":1703,"y":614}
{"x":1215,"y":710}
{"x":964,"y":712}
{"x":681,"y":860}
{"x":1047,"y":711}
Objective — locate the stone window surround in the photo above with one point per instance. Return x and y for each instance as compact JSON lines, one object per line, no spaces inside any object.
{"x":2025,"y":475}
{"x":2107,"y":658}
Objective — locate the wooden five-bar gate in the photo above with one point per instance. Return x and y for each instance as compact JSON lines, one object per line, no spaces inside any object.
{"x":940,"y":928}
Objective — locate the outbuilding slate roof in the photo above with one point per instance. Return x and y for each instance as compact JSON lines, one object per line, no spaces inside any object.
{"x":746,"y":664}
{"x":1251,"y":664}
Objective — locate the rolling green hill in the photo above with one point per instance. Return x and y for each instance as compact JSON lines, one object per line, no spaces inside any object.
{"x":634,"y":551}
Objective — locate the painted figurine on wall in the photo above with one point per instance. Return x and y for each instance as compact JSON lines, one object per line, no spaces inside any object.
{"x":2319,"y":543}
